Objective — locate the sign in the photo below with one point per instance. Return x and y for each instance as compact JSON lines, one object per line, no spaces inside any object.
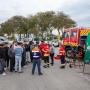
{"x":87,"y":50}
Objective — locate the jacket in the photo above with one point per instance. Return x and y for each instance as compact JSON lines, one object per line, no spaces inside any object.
{"x":61,"y":50}
{"x":18,"y":51}
{"x":36,"y":53}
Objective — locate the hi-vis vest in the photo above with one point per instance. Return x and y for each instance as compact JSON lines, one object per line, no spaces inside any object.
{"x":36,"y":53}
{"x":61,"y":50}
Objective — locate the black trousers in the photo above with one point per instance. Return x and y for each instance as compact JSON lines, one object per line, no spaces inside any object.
{"x":51,"y":56}
{"x":62,"y":57}
{"x":46,"y":59}
{"x":2,"y":65}
{"x":12,"y":63}
{"x":7,"y":61}
{"x":31,"y":57}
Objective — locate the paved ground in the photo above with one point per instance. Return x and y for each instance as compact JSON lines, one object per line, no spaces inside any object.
{"x":53,"y":78}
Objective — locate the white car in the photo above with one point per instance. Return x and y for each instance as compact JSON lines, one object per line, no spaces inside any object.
{"x":3,"y":40}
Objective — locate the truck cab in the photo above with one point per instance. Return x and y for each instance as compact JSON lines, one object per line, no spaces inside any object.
{"x":74,"y":37}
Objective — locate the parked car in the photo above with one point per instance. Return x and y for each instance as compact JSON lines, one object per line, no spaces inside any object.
{"x":3,"y":40}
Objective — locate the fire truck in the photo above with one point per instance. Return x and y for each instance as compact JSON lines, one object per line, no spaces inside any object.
{"x":74,"y":37}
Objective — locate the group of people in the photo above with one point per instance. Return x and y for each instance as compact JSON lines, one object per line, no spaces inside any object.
{"x":18,"y":54}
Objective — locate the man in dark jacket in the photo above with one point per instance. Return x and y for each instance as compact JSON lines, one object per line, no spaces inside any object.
{"x":11,"y":54}
{"x":27,"y":49}
{"x":2,"y":59}
{"x":6,"y":55}
{"x":36,"y":60}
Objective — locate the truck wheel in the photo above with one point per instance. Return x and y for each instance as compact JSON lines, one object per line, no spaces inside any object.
{"x":68,"y":53}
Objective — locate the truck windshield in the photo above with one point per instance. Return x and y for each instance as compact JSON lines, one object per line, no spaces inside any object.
{"x":66,"y":34}
{"x":74,"y":34}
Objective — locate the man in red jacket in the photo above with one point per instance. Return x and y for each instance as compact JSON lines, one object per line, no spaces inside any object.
{"x":41,"y":46}
{"x":62,"y":55}
{"x":46,"y":54}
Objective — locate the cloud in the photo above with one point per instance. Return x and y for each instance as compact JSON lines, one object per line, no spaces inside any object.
{"x":79,"y":10}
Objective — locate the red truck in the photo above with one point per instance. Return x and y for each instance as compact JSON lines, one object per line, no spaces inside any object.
{"x":73,"y":37}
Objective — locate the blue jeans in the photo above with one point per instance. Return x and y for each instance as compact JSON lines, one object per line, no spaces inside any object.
{"x":18,"y":60}
{"x":38,"y":63}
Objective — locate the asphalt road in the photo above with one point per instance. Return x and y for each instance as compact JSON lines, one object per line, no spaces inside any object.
{"x":53,"y":78}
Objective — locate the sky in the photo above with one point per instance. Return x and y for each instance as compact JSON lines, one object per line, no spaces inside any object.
{"x":78,"y":10}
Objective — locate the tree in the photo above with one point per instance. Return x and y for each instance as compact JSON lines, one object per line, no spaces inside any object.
{"x":42,"y":22}
{"x":33,"y":25}
{"x":61,"y":21}
{"x":45,"y":21}
{"x":16,"y":24}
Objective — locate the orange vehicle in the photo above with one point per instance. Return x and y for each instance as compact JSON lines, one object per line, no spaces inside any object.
{"x":73,"y":37}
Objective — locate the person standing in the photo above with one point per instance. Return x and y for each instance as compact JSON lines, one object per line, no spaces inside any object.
{"x":80,"y":55}
{"x":23,"y":56}
{"x":27,"y":49}
{"x":41,"y":46}
{"x":30,"y":49}
{"x":36,"y":59}
{"x":6,"y":55}
{"x":62,"y":55}
{"x":46,"y":54}
{"x":52,"y":52}
{"x":2,"y":59}
{"x":11,"y":55}
{"x":18,"y":57}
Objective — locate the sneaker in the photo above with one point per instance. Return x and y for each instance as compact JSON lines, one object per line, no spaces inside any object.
{"x":62,"y":67}
{"x":15,"y":71}
{"x":40,"y":73}
{"x":4,"y":74}
{"x":45,"y":66}
{"x":48,"y":66}
{"x":70,"y":66}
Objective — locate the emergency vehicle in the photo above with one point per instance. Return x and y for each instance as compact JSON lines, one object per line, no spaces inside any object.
{"x":73,"y":37}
